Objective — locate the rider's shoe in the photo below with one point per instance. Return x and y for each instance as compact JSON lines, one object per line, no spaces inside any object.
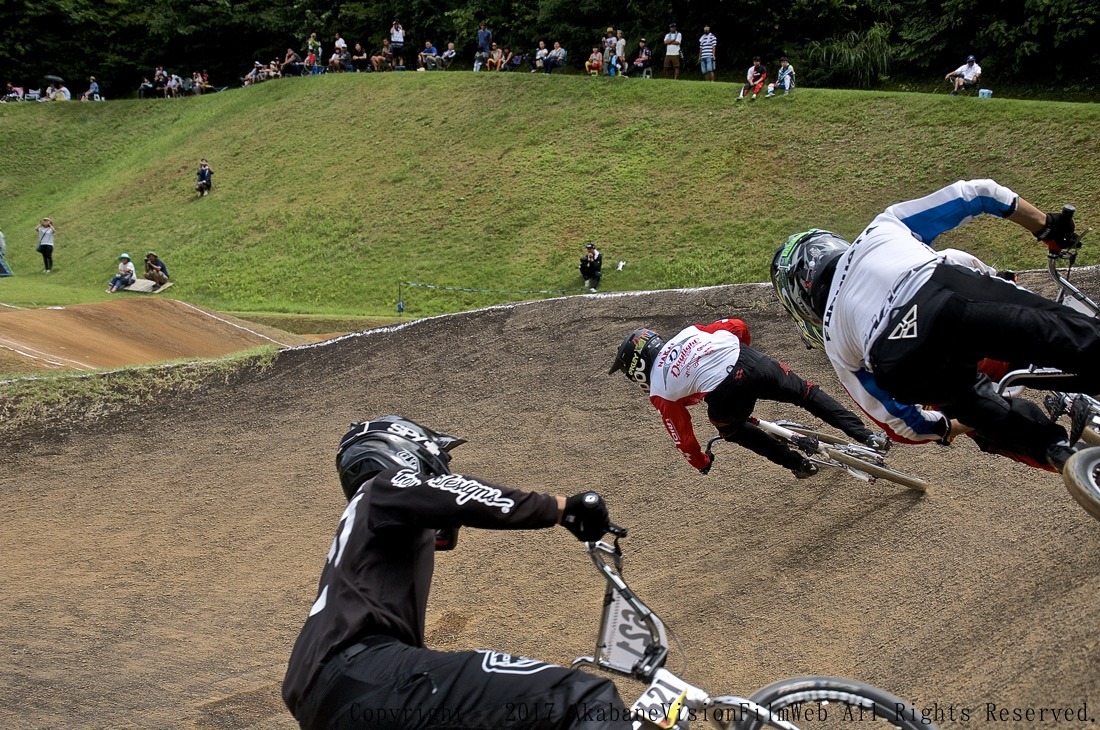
{"x":878,"y":442}
{"x":1058,"y":454}
{"x":1080,"y":412}
{"x":806,"y":470}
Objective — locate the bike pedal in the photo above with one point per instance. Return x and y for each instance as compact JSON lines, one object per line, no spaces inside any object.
{"x":808,"y":444}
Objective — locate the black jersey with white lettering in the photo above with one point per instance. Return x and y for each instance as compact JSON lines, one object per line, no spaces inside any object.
{"x":380,"y":565}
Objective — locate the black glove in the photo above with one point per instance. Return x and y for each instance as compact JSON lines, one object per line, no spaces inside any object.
{"x":706,"y":469}
{"x":1058,"y":233}
{"x":806,"y":470}
{"x":586,"y":516}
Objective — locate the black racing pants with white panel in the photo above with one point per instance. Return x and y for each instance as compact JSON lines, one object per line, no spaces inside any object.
{"x":960,"y":317}
{"x":757,"y":376}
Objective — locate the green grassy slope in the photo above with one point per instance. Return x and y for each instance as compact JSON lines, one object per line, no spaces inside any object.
{"x":330,"y":190}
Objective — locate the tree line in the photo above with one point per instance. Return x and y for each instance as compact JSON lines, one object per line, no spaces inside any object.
{"x":844,"y":43}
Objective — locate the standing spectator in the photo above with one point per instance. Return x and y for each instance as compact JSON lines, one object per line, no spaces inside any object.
{"x":313,"y":45}
{"x":755,"y":77}
{"x":620,"y":52}
{"x":591,"y":266}
{"x":45,"y":231}
{"x":642,"y":61}
{"x":448,"y":56}
{"x":429,"y":57}
{"x":359,"y":58}
{"x":340,"y":42}
{"x":538,"y":58}
{"x":5,"y":270}
{"x":125,"y":276}
{"x":673,"y":40}
{"x":965,"y":76}
{"x":204,"y":180}
{"x":92,"y":92}
{"x":155,"y":270}
{"x":707,"y":56}
{"x":397,"y":44}
{"x":608,"y":47}
{"x":361,"y":649}
{"x":484,"y":45}
{"x":594,"y":62}
{"x":784,"y":78}
{"x":554,"y":59}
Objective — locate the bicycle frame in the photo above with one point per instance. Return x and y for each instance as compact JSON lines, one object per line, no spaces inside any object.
{"x":632,"y":642}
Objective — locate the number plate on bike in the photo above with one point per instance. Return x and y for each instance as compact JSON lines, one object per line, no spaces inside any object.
{"x":663,"y":701}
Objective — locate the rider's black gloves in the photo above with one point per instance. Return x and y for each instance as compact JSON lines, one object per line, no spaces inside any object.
{"x":806,"y":470}
{"x":586,"y":516}
{"x":1058,"y":233}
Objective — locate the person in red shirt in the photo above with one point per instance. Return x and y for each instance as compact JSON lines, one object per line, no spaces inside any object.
{"x":714,"y":363}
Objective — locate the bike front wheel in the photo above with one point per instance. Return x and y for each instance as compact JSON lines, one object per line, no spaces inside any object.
{"x":1081,"y":474}
{"x":823,"y":702}
{"x":879,"y":471}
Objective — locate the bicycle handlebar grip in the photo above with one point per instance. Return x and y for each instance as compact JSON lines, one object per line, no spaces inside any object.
{"x":616,"y":530}
{"x":1068,"y":211}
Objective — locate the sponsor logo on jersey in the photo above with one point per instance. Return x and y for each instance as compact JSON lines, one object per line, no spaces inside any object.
{"x":409,"y":459}
{"x":906,"y":329}
{"x":497,"y":662}
{"x":406,"y":478}
{"x":466,"y":489}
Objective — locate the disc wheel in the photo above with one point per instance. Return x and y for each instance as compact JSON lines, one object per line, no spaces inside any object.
{"x":878,"y":471}
{"x":824,"y":702}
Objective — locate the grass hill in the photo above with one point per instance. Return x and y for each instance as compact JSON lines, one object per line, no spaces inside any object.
{"x":330,"y":190}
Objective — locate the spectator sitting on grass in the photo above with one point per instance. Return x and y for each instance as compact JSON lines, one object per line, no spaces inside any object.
{"x":496,"y":57}
{"x":755,"y":78}
{"x":555,"y":58}
{"x":512,"y":61}
{"x":594,"y":62}
{"x":125,"y":276}
{"x":339,"y":60}
{"x":292,"y":62}
{"x":784,"y":78}
{"x":384,"y":60}
{"x":155,"y":270}
{"x":360,"y":59}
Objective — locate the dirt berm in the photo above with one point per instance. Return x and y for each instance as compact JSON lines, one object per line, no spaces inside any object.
{"x":156,"y":567}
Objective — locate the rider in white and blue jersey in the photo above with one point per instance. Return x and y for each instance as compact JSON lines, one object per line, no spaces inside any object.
{"x":905,"y":326}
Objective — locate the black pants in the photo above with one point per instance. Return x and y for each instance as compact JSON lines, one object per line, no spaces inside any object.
{"x":960,"y":317}
{"x":758,"y":376}
{"x":47,"y":257}
{"x":394,"y":686}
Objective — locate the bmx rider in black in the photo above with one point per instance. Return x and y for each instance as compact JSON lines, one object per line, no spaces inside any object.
{"x":360,"y":660}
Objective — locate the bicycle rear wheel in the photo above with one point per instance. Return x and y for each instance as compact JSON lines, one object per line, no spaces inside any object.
{"x":823,"y":702}
{"x":1080,"y":475}
{"x":878,"y":471}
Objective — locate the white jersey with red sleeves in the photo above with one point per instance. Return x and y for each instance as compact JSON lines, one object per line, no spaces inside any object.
{"x":690,"y":365}
{"x":885,"y":267}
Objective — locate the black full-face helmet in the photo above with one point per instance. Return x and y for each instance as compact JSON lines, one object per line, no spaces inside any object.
{"x":391,"y":442}
{"x":801,"y":272}
{"x":636,"y":356}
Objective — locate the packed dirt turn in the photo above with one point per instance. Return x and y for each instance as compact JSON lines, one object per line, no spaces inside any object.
{"x":157,"y":566}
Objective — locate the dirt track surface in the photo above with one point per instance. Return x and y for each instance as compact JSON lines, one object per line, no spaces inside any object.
{"x":127,"y":331}
{"x":157,"y":567}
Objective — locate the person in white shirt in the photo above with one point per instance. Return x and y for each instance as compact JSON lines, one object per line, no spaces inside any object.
{"x":672,"y":52}
{"x":397,"y":43}
{"x":965,"y":76}
{"x":905,"y":326}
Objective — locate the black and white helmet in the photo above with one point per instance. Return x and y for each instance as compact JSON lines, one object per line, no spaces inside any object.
{"x":801,"y":272}
{"x":391,"y":442}
{"x":637,"y":354}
